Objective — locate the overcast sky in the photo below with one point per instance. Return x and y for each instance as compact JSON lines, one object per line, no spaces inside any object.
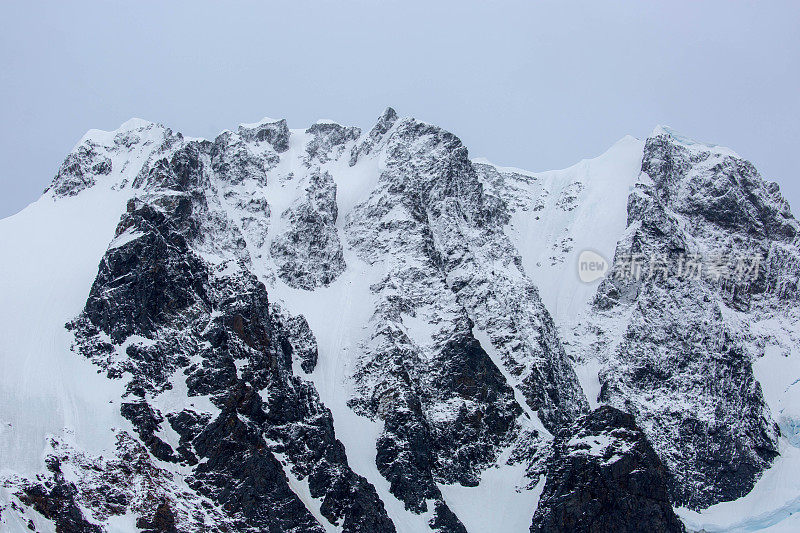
{"x":536,"y":85}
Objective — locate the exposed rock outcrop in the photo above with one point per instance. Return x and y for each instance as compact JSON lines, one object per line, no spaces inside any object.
{"x":603,"y":475}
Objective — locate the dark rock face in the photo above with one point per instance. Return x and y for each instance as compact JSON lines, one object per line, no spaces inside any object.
{"x":682,"y":356}
{"x":447,"y":408}
{"x":245,"y":477}
{"x":296,"y":338}
{"x":680,"y":343}
{"x":79,"y":169}
{"x":445,"y":521}
{"x":329,"y":141}
{"x":274,"y":133}
{"x":156,"y":277}
{"x":728,"y":409}
{"x":727,"y":192}
{"x":309,"y":254}
{"x":127,"y":481}
{"x":147,"y":422}
{"x":55,"y":499}
{"x":215,"y":331}
{"x":604,"y":476}
{"x":234,"y":162}
{"x":163,"y":521}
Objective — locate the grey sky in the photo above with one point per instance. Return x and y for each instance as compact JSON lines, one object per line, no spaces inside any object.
{"x":536,"y":85}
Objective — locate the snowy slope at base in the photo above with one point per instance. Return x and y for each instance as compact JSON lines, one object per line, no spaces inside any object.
{"x":789,"y":525}
{"x":51,"y":252}
{"x":496,"y":504}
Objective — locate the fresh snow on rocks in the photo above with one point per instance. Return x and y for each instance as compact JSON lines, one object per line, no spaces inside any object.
{"x":330,"y":330}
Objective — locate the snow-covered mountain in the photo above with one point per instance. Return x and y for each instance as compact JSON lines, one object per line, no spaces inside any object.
{"x":335,"y":330}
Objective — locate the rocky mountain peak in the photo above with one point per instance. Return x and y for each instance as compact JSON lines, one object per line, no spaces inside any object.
{"x":605,"y":476}
{"x":276,"y":133}
{"x":327,"y":330}
{"x":375,"y":135}
{"x":702,"y":180}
